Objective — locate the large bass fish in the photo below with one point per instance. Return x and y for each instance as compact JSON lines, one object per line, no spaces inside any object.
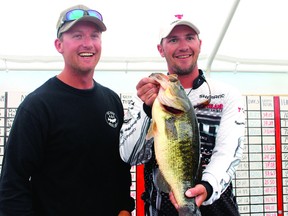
{"x":176,"y":141}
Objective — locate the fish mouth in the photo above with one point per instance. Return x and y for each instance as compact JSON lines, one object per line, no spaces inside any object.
{"x":172,"y":110}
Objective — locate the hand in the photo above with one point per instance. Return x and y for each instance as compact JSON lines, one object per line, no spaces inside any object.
{"x":199,"y":192}
{"x":124,"y":213}
{"x":147,"y":90}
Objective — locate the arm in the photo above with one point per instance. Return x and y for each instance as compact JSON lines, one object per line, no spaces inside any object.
{"x":21,"y":157}
{"x":226,"y":155}
{"x":134,"y":148}
{"x":228,"y":150}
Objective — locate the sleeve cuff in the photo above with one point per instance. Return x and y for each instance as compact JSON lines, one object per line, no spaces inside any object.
{"x":208,"y":188}
{"x":148,"y":110}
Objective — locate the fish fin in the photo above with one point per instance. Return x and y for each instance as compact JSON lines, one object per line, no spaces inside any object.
{"x":160,"y":182}
{"x":151,"y":129}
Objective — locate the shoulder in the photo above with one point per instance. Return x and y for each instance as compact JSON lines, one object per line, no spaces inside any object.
{"x":105,"y":90}
{"x":226,"y":95}
{"x":42,"y":96}
{"x":108,"y":95}
{"x":223,"y":88}
{"x":221,"y":85}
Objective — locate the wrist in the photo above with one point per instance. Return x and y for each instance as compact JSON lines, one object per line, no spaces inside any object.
{"x":208,"y":188}
{"x":148,"y":110}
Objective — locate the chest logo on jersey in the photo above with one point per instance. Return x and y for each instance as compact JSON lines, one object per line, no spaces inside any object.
{"x":111,"y":119}
{"x":216,"y":107}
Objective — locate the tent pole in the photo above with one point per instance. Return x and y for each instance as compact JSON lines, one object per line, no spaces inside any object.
{"x":220,"y":38}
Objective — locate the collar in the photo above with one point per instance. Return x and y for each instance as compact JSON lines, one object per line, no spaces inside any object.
{"x":199,"y":80}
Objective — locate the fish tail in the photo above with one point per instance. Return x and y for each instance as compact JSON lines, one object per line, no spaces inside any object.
{"x":189,"y":210}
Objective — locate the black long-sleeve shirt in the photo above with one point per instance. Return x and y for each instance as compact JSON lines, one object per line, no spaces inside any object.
{"x":62,"y":155}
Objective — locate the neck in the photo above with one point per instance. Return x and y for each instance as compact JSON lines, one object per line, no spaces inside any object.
{"x":76,"y":80}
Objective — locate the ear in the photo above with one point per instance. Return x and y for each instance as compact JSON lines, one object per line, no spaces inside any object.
{"x":160,"y":50}
{"x":200,"y":45}
{"x":58,"y":45}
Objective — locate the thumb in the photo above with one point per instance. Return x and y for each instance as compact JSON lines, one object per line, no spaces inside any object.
{"x":190,"y":193}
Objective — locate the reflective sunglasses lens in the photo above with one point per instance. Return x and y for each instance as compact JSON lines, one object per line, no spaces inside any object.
{"x":95,"y":14}
{"x":74,"y":14}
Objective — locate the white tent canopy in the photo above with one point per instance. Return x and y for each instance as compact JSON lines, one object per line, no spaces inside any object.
{"x":237,"y":35}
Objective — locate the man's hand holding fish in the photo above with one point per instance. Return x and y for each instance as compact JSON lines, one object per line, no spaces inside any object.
{"x":199,"y":192}
{"x":147,"y":90}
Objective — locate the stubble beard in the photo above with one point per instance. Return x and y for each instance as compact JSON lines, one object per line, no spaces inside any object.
{"x":182,"y":71}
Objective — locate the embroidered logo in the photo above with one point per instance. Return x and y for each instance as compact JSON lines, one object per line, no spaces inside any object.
{"x":111,"y":119}
{"x":179,"y":16}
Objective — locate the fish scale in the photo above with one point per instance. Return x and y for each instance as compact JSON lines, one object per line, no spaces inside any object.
{"x":176,"y":142}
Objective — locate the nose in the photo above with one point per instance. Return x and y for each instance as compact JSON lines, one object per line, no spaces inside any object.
{"x":183,"y":44}
{"x":87,"y":41}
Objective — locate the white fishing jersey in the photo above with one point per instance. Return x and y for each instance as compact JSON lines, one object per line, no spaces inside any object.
{"x":221,"y":125}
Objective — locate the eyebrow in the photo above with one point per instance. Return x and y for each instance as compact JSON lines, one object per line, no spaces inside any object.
{"x":187,"y":35}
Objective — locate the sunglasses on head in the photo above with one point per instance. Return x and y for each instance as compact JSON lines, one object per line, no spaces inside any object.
{"x":78,"y":13}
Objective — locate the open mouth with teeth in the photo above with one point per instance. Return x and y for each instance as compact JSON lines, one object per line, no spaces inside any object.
{"x":86,"y":54}
{"x":183,"y":56}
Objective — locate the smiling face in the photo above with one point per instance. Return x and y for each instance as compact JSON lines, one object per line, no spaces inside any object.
{"x":181,"y":49}
{"x":80,"y":47}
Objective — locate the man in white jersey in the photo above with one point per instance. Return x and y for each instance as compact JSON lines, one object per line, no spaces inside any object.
{"x":221,"y":119}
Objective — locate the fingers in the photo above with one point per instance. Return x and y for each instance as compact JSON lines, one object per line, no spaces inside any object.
{"x":173,"y":200}
{"x":199,"y":200}
{"x":147,"y":90}
{"x":199,"y":192}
